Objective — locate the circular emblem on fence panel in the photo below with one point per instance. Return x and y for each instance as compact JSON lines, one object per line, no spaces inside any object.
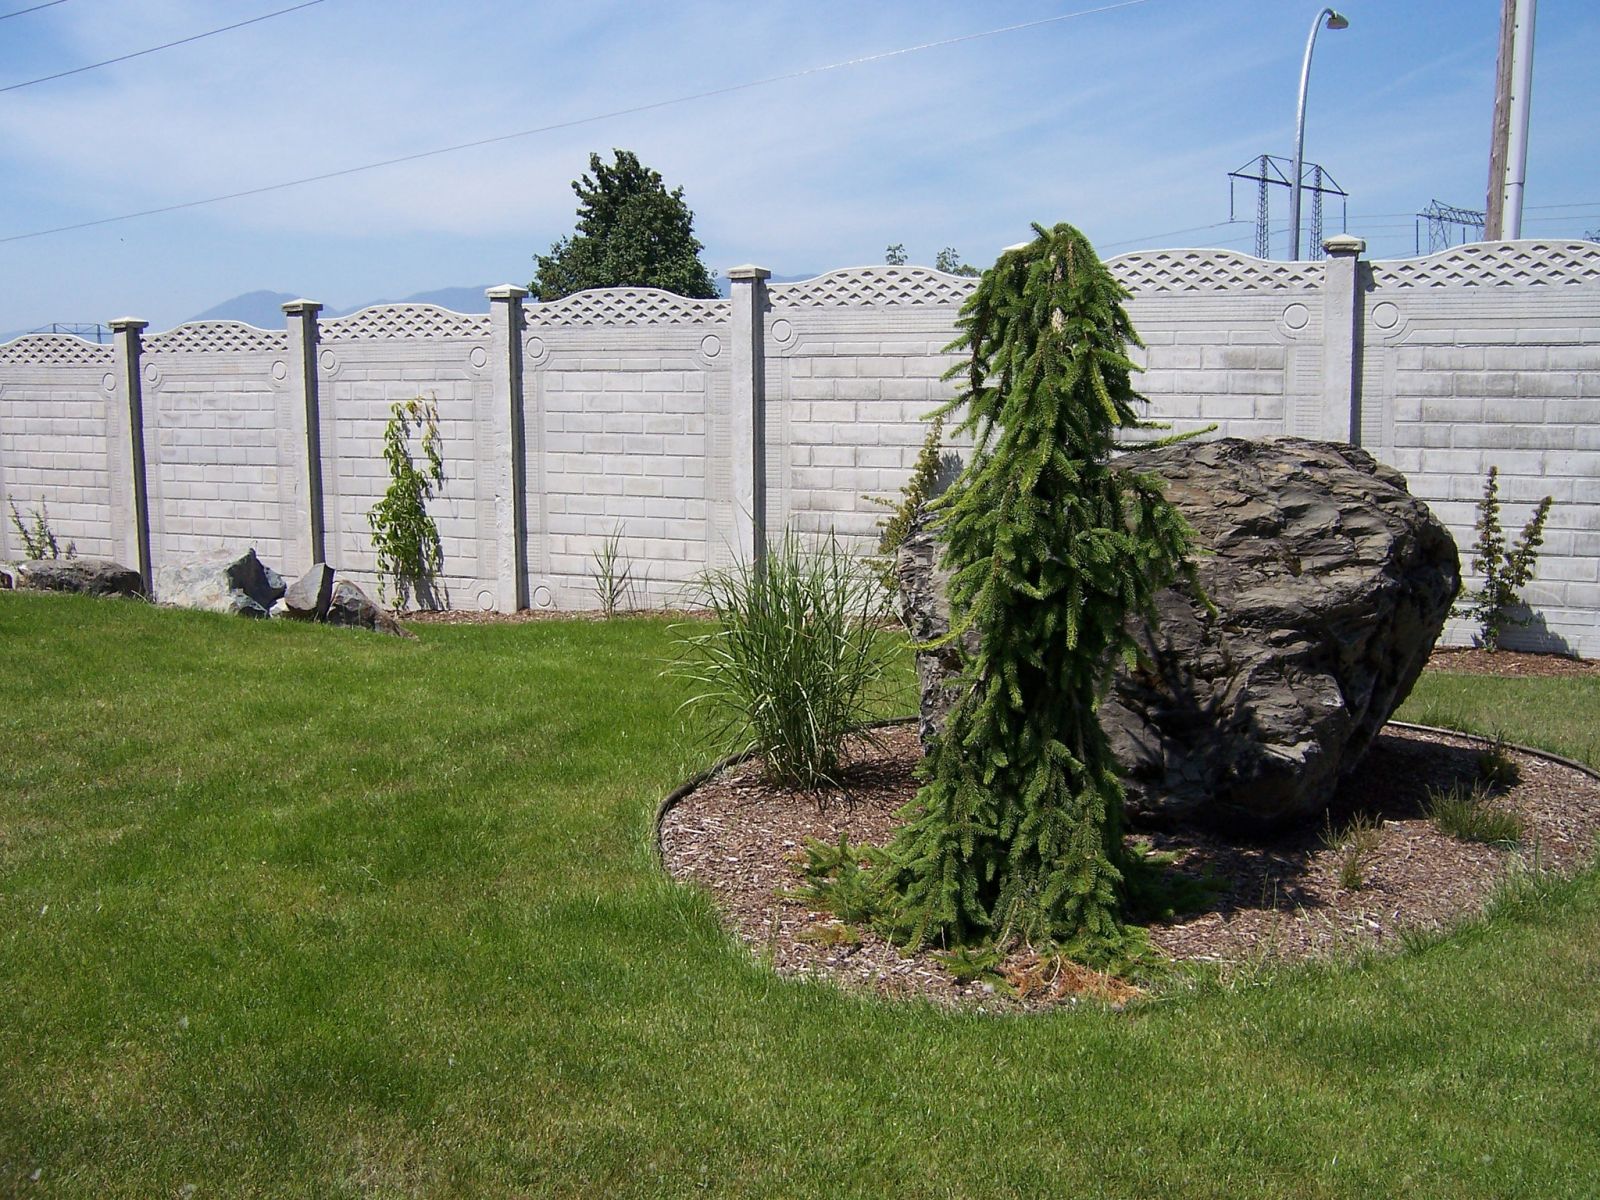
{"x":486,"y":600}
{"x":711,"y":345}
{"x":1296,"y":315}
{"x":150,"y":373}
{"x":541,"y":597}
{"x":534,"y":349}
{"x":782,"y":332}
{"x":109,"y":382}
{"x":1385,"y":315}
{"x":327,"y":360}
{"x":479,"y":356}
{"x":279,"y":370}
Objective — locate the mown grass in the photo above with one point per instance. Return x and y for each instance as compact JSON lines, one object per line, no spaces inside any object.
{"x":296,"y":911}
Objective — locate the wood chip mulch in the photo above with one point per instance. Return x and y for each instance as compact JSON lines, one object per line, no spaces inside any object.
{"x":1280,"y":898}
{"x":1469,"y":660}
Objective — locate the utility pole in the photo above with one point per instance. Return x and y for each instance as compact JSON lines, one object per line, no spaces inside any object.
{"x":1508,"y":135}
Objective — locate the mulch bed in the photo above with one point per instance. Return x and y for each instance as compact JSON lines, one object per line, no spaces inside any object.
{"x":1279,"y":899}
{"x":1466,"y":660}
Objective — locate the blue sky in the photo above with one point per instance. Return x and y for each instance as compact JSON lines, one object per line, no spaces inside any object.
{"x":1123,"y":122}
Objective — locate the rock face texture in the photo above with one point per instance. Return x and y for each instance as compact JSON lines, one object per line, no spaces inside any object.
{"x":91,"y":576}
{"x":309,"y":596}
{"x":226,"y":581}
{"x":352,"y":606}
{"x":1330,"y":584}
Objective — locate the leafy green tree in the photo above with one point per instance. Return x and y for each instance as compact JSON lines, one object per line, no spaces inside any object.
{"x":895,"y":255}
{"x":949,"y":261}
{"x":1016,"y":834}
{"x":631,"y":232}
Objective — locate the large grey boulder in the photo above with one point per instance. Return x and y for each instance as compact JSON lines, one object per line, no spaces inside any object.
{"x":352,"y":606}
{"x":225,"y":581}
{"x":309,"y":596}
{"x":1330,"y":584}
{"x":90,"y":576}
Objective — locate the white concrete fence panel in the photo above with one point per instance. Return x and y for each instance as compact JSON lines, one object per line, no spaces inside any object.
{"x":691,"y":429}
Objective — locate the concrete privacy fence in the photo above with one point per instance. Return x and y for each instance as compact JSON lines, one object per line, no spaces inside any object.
{"x":692,"y":427}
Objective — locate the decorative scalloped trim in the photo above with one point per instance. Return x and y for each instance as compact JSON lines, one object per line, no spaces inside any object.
{"x":399,"y":322}
{"x":625,"y":306}
{"x":217,"y":337}
{"x":1495,"y":264}
{"x":54,"y":350}
{"x":1149,"y":271}
{"x":875,"y":285}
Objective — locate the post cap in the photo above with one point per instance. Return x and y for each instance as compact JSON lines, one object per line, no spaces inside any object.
{"x":505,"y":291}
{"x":748,"y":271}
{"x":1344,"y":245}
{"x":298,"y":308}
{"x":118,"y":324}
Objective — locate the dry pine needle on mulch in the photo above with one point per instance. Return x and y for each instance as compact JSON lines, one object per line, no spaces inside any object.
{"x":1280,"y":898}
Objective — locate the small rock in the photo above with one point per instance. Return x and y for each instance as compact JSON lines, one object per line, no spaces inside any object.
{"x":224,"y":581}
{"x":309,"y":596}
{"x":89,"y":576}
{"x":352,"y":606}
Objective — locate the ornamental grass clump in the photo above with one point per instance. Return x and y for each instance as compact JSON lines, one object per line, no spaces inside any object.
{"x":794,"y":661}
{"x":1016,"y":833}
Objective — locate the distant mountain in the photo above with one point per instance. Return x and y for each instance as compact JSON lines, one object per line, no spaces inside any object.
{"x":456,"y":299}
{"x":264,"y":310}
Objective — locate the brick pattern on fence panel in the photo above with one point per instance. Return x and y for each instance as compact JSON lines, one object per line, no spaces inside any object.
{"x":212,"y":456}
{"x":1459,"y":376}
{"x":618,"y":421}
{"x":848,"y":394}
{"x":1212,"y":358}
{"x":360,"y":379}
{"x":53,"y":444}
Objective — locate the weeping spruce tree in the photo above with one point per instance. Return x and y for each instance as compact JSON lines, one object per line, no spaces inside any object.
{"x":1016,"y":833}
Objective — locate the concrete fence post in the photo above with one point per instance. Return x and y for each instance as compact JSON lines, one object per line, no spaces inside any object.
{"x":1341,"y":348}
{"x":303,"y":334}
{"x":128,"y":474}
{"x":747,"y":361}
{"x":508,"y":434}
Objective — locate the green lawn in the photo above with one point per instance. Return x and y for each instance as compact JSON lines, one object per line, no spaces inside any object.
{"x":298,"y":911}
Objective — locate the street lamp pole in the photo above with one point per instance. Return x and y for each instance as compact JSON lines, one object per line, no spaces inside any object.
{"x":1335,"y":21}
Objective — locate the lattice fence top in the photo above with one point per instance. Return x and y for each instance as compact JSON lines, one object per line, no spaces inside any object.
{"x":625,"y":306}
{"x":54,"y":350}
{"x":875,"y":285}
{"x":1149,"y":271}
{"x":1495,"y":264}
{"x":217,"y":337}
{"x":400,"y":322}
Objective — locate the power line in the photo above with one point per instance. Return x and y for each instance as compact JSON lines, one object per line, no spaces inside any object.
{"x":1150,"y":237}
{"x":606,"y":116}
{"x":164,"y":46}
{"x":24,"y":11}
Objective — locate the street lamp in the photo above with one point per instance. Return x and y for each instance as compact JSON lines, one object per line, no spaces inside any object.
{"x":1335,"y":21}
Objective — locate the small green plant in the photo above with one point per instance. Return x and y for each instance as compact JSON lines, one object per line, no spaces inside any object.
{"x":403,"y":533}
{"x":1497,"y":770}
{"x":38,"y":540}
{"x":1354,"y":844}
{"x":1505,"y":570}
{"x":1470,"y":813}
{"x":916,"y":493}
{"x":794,"y":660}
{"x":612,"y":573}
{"x":839,"y":878}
